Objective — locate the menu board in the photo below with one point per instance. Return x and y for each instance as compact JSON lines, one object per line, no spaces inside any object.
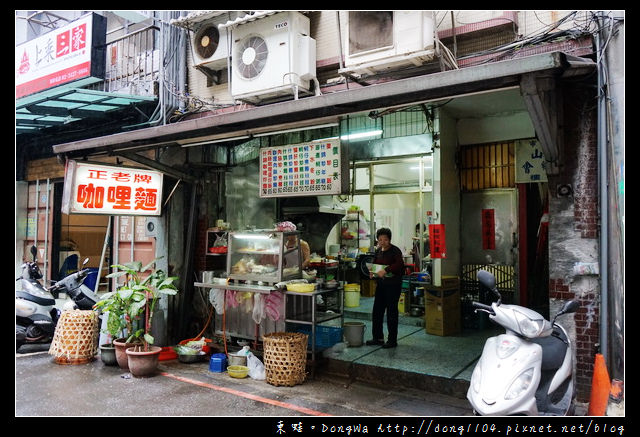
{"x":307,"y":169}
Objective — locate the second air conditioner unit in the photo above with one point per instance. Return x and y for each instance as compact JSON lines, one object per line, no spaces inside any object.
{"x":383,"y":40}
{"x":273,"y":57}
{"x":210,"y":46}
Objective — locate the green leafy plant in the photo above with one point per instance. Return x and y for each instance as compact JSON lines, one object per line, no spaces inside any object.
{"x":137,"y":297}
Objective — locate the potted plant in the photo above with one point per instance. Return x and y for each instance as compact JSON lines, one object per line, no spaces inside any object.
{"x":143,"y":295}
{"x":122,"y":308}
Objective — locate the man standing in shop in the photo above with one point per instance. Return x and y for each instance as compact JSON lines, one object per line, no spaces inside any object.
{"x":388,"y":289}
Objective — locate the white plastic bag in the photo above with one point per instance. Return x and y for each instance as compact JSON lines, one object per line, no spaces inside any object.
{"x":256,"y":368}
{"x":258,"y":308}
{"x":216,"y":297}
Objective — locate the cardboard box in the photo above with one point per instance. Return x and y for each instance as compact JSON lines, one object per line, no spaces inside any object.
{"x":442,"y":311}
{"x":450,"y":281}
{"x":368,"y":287}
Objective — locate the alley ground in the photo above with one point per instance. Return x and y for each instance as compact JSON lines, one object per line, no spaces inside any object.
{"x":44,"y":388}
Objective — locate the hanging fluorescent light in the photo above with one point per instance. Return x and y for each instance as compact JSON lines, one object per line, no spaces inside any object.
{"x":360,"y":135}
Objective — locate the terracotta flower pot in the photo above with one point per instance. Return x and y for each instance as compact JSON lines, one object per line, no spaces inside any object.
{"x":108,"y":355}
{"x":121,"y":346}
{"x":143,"y":363}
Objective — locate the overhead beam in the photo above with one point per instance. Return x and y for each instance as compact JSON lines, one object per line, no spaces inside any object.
{"x":132,"y":156}
{"x":413,"y":90}
{"x":540,"y":97}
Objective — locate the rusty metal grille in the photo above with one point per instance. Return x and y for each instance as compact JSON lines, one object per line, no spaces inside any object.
{"x":487,"y":166}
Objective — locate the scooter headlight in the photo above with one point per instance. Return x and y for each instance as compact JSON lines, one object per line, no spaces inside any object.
{"x":529,"y":327}
{"x":520,"y":385}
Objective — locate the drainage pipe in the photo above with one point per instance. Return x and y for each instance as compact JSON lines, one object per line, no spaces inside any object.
{"x":603,"y":181}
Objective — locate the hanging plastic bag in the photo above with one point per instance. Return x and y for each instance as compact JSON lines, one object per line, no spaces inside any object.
{"x":273,"y":305}
{"x":247,"y":302}
{"x":232,"y":302}
{"x":258,"y":308}
{"x":216,"y":297}
{"x":256,"y":368}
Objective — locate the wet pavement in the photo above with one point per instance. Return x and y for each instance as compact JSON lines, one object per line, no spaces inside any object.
{"x":45,"y":388}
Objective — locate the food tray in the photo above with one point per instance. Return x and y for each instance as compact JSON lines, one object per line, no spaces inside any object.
{"x":301,"y":288}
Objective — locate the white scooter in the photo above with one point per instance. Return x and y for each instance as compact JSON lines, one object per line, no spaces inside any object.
{"x":36,"y":311}
{"x":528,"y":370}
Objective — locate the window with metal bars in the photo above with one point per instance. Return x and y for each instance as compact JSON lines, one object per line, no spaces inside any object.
{"x":487,"y":166}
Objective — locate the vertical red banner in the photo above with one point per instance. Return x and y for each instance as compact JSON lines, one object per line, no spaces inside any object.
{"x":437,"y":243}
{"x":488,"y":229}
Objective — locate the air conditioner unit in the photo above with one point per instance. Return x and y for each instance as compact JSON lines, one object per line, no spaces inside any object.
{"x":210,"y":46}
{"x":273,"y":57}
{"x":384,"y":40}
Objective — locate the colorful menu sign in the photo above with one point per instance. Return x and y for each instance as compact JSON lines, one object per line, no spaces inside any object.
{"x":306,"y":169}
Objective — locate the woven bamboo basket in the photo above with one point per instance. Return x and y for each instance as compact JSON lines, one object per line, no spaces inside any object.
{"x":75,"y":340}
{"x":285,"y":358}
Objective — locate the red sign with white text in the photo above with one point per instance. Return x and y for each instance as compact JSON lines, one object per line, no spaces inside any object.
{"x":60,"y":56}
{"x":437,"y":242}
{"x":103,"y":189}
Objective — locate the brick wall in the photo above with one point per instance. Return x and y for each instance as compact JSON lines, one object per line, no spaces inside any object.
{"x":574,"y":230}
{"x":43,"y":169}
{"x":587,"y":333}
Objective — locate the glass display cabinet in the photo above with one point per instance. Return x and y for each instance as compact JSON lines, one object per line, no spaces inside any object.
{"x":264,"y":256}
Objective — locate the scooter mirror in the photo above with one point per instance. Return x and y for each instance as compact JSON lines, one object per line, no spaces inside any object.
{"x":34,"y":252}
{"x":487,"y":279}
{"x":86,"y":260}
{"x":570,"y":307}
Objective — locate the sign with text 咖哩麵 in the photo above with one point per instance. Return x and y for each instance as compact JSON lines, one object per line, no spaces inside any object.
{"x":103,"y":189}
{"x":307,"y":169}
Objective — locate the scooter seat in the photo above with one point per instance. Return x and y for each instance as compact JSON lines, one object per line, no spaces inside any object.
{"x":554,"y":350}
{"x":44,"y":301}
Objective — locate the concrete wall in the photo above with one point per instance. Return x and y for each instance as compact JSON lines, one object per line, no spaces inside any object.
{"x":573,"y":232}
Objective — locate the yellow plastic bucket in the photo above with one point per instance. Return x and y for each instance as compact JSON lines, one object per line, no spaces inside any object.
{"x":352,"y":298}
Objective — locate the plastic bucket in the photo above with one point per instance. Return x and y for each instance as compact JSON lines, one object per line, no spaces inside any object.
{"x":351,"y":298}
{"x":353,"y":333}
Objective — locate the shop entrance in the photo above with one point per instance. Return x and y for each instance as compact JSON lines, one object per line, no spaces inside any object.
{"x":489,"y":223}
{"x":398,"y":192}
{"x":63,"y":241}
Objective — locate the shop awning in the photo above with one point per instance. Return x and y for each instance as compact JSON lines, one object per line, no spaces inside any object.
{"x":64,"y":105}
{"x":429,"y":88}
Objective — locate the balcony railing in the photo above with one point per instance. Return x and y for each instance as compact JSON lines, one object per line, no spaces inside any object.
{"x":133,"y":63}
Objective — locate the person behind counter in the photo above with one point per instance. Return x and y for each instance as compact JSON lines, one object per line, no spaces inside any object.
{"x":304,"y":246}
{"x":388,"y":289}
{"x":415,"y":251}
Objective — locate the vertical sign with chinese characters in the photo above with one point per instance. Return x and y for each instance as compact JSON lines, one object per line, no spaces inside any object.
{"x":437,"y":242}
{"x":530,"y":162}
{"x":104,"y":189}
{"x":66,"y":54}
{"x":488,"y":229}
{"x":306,"y":169}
